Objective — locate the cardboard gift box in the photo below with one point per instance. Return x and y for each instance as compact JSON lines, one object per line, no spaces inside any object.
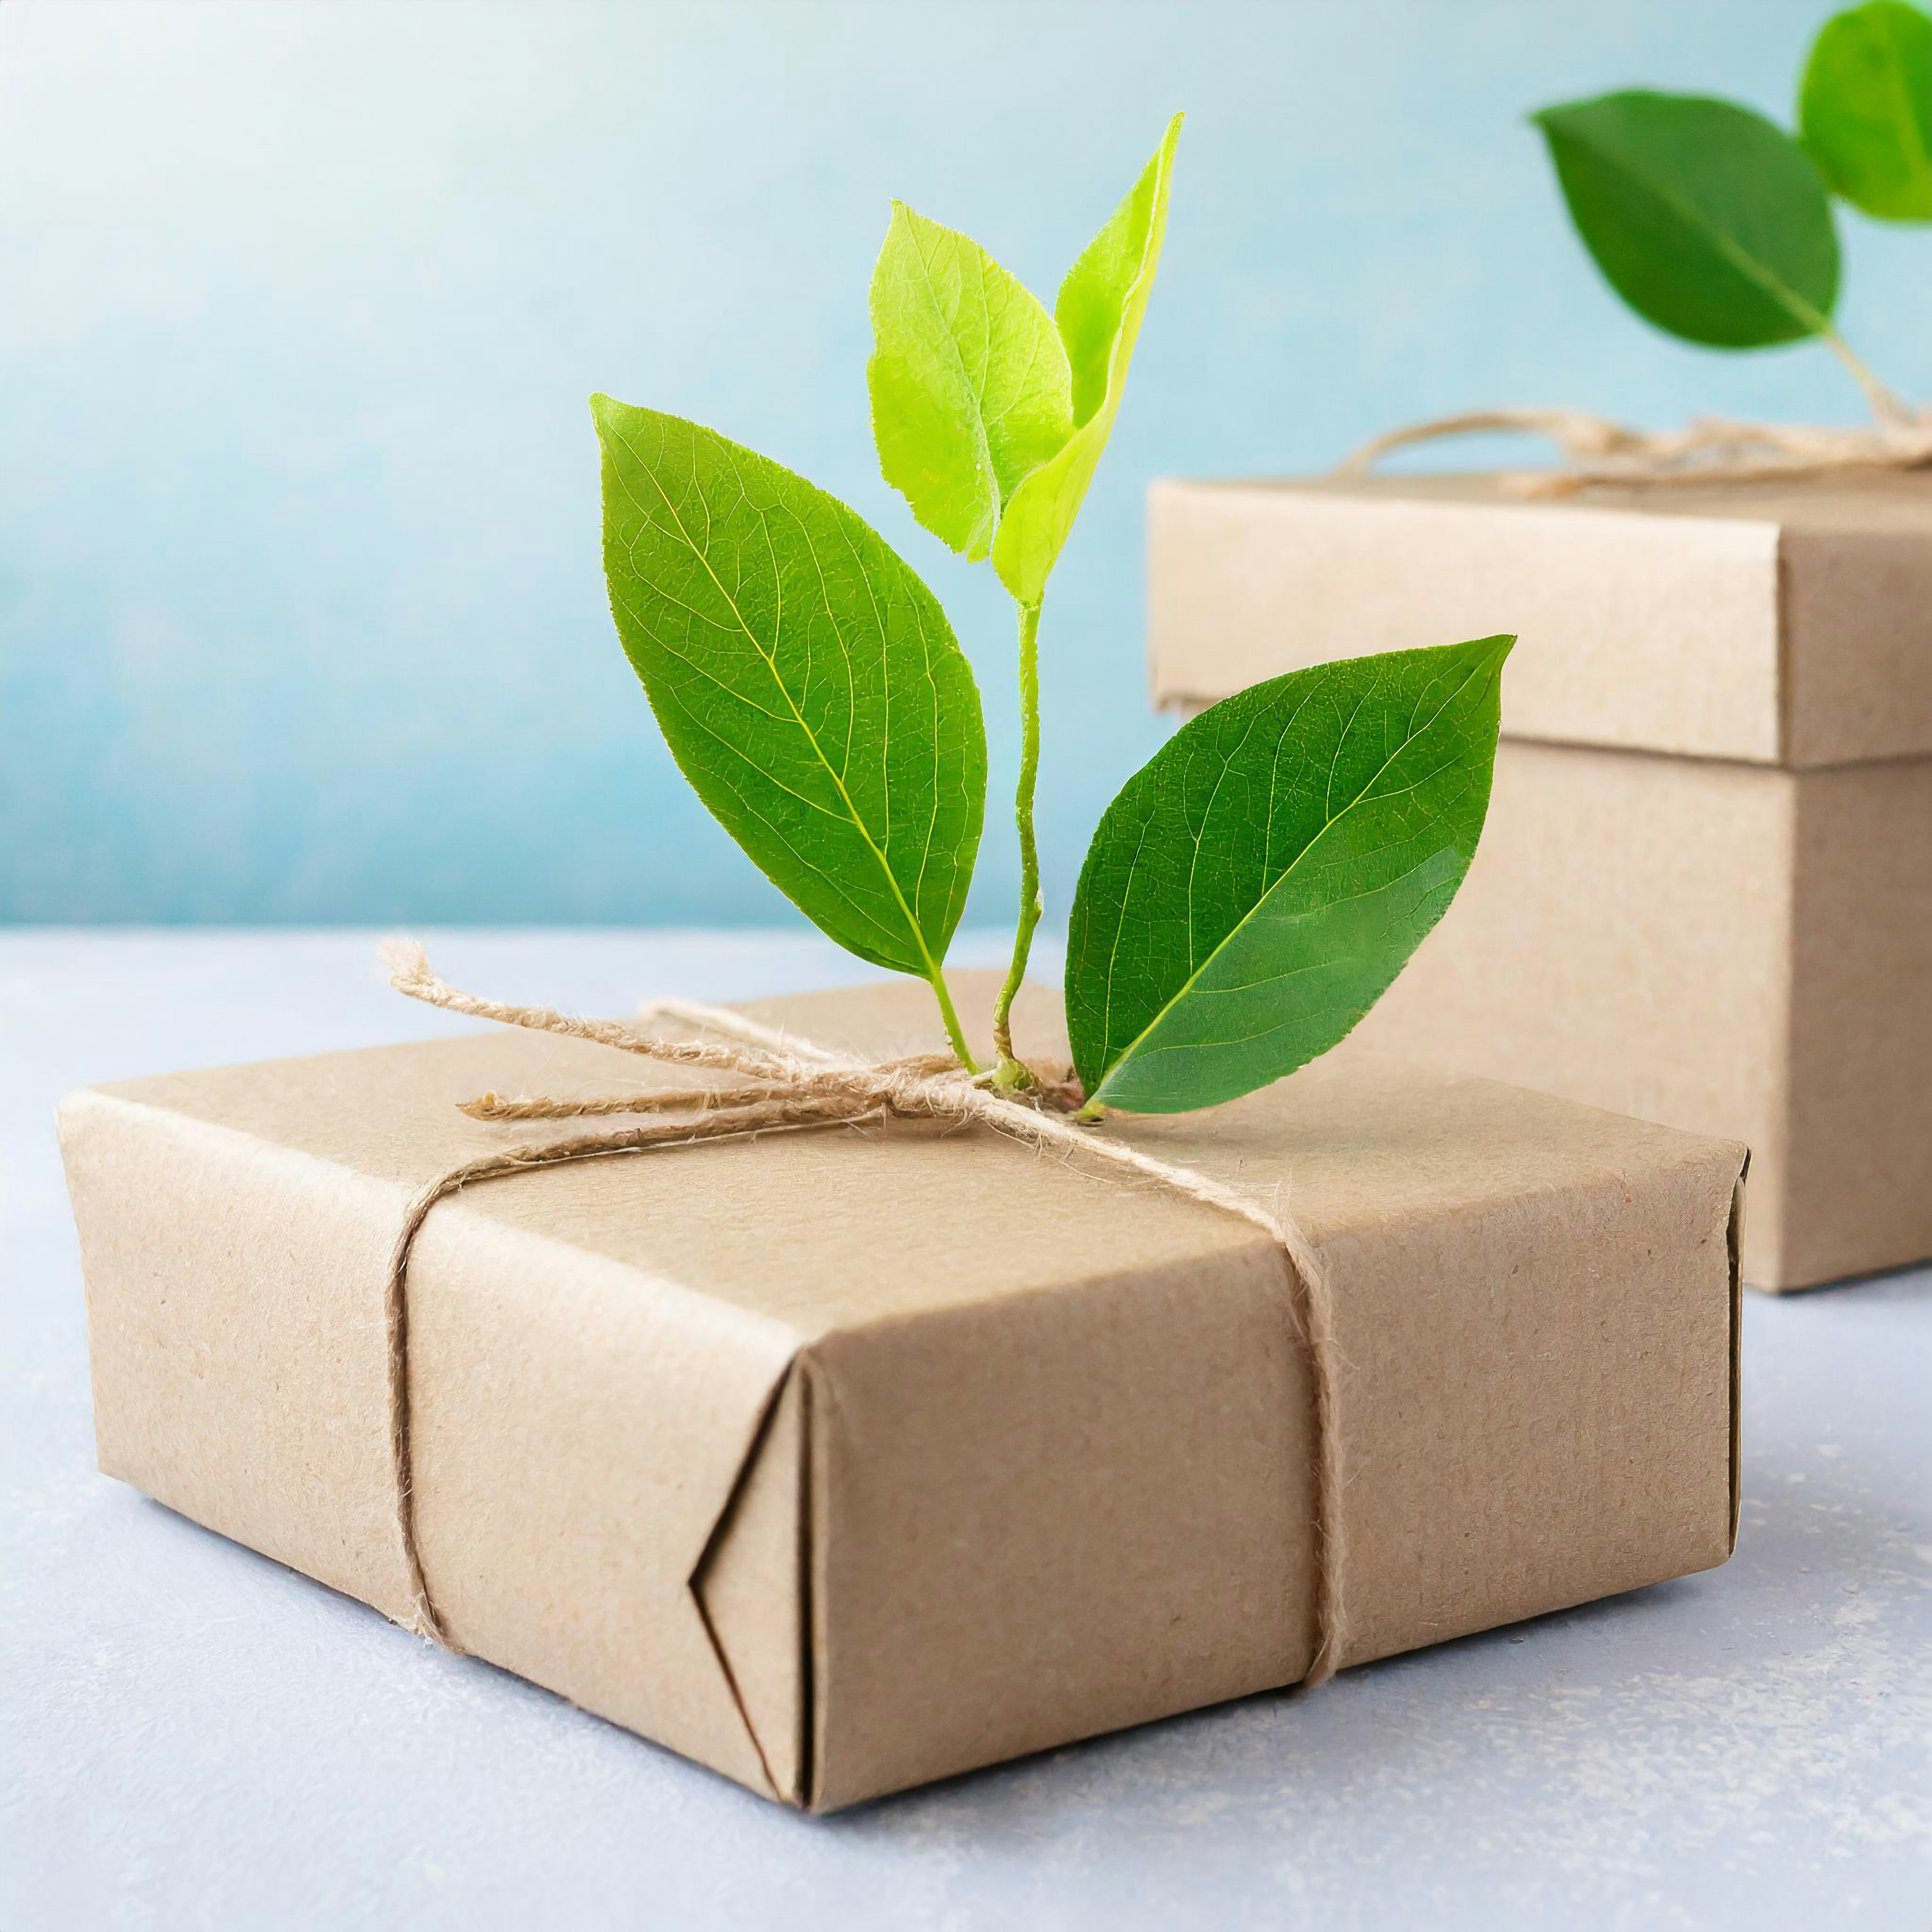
{"x":1704,"y":893}
{"x":841,"y":1460}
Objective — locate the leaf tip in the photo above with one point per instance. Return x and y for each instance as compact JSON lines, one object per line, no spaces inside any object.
{"x":1493,"y":652}
{"x":1554,"y":114}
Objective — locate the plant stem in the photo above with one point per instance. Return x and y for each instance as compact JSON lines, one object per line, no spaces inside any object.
{"x":1889,"y":408}
{"x":1010,"y":1073}
{"x":956,"y":1034}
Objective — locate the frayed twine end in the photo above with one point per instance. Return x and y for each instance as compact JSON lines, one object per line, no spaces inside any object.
{"x":405,"y":963}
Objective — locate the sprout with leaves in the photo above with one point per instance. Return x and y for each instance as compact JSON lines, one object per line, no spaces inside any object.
{"x":1713,"y":224}
{"x":1248,"y":896}
{"x":990,"y":414}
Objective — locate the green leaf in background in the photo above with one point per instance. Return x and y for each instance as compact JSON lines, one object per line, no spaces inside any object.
{"x":1865,"y":108}
{"x":1098,"y":312}
{"x":969,"y":382}
{"x":807,"y":682}
{"x":1709,"y":220}
{"x":1257,"y":885}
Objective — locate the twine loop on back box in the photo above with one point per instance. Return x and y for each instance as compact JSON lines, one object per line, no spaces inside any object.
{"x":788,"y":1084}
{"x":1710,"y":449}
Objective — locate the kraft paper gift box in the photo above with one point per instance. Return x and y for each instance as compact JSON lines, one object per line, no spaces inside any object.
{"x":841,"y":1460}
{"x":1704,"y":893}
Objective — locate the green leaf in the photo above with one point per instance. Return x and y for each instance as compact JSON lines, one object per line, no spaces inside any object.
{"x":1257,"y":885}
{"x":1865,"y":108}
{"x":1709,"y":220}
{"x":969,"y":382}
{"x":1098,"y":312}
{"x":807,"y":682}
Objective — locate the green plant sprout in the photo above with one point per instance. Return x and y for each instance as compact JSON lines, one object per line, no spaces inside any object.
{"x":990,"y":416}
{"x":1715,"y":224}
{"x":1247,"y":896}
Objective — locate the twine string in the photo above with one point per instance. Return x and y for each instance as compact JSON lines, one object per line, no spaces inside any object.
{"x":1709,"y":449}
{"x":788,"y":1084}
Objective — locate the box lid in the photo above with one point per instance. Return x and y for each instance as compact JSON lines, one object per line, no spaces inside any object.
{"x":1785,"y":625}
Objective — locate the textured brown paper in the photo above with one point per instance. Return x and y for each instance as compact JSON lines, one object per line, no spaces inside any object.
{"x":1735,"y":939}
{"x":1789,"y":626}
{"x":843,"y":1460}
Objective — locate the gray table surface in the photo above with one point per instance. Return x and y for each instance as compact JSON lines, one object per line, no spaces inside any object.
{"x":195,"y":1736}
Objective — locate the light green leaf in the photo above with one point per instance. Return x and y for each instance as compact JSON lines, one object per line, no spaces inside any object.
{"x":1709,"y":220}
{"x":1098,"y":311}
{"x":1865,"y":108}
{"x":807,"y":682}
{"x":1257,"y":885}
{"x":969,"y":382}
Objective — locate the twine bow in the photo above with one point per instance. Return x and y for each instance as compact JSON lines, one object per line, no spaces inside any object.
{"x":1709,"y":449}
{"x":784,"y":1084}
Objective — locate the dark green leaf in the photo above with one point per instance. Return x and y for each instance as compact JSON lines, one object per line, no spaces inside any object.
{"x":1865,"y":107}
{"x":1709,"y":220}
{"x":806,"y":681}
{"x":1257,"y":885}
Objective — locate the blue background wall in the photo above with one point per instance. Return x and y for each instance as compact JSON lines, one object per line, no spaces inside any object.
{"x":301,"y":617}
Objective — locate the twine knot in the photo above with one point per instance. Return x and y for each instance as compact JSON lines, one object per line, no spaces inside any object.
{"x":781,"y":1081}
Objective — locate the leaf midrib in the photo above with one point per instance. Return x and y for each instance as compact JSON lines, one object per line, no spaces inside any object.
{"x":811,"y":738}
{"x":1127,"y":1052}
{"x":1788,"y":299}
{"x":987,"y":521}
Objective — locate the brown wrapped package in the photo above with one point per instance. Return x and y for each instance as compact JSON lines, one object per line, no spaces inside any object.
{"x":841,"y":1460}
{"x":1704,"y":893}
